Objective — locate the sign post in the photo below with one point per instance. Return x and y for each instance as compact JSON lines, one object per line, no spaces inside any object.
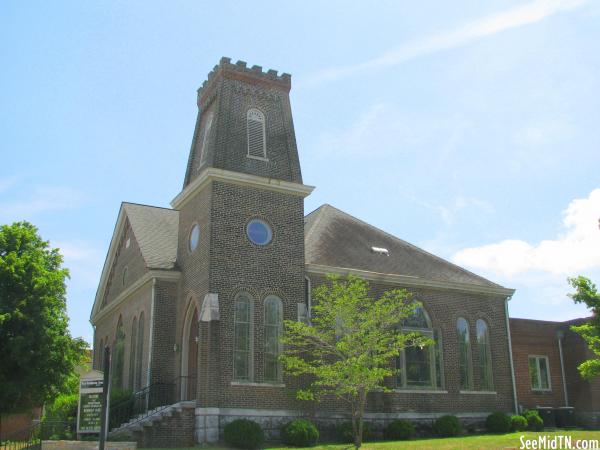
{"x":104,"y":409}
{"x":89,"y":408}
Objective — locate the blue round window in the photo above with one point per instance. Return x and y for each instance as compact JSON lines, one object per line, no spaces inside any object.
{"x":194,"y":237}
{"x":259,"y":232}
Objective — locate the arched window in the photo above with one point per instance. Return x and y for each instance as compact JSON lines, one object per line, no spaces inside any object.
{"x":207,"y":125}
{"x":255,"y":122}
{"x":273,"y":331}
{"x":242,"y":351}
{"x":100,"y":355}
{"x":420,"y":367}
{"x":137,"y":385}
{"x":132,"y":354}
{"x":119,"y":355}
{"x":464,"y":354}
{"x":485,"y":356}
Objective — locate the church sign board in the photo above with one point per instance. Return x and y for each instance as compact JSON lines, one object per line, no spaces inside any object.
{"x":89,"y":411}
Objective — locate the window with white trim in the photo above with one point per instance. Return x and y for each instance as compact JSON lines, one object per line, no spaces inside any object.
{"x":242,"y":351}
{"x":485,"y":356}
{"x":255,"y":123}
{"x":273,"y":331}
{"x":464,"y":354}
{"x":539,"y":373}
{"x":420,"y":367}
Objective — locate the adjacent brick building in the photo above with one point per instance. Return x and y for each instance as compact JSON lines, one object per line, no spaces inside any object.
{"x":193,"y":297}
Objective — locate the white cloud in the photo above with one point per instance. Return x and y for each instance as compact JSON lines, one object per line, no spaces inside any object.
{"x":574,"y":251}
{"x":39,"y":200}
{"x":512,"y":18}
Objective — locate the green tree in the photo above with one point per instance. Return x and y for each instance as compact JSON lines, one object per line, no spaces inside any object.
{"x":38,"y":354}
{"x":349,"y":348}
{"x":586,"y":293}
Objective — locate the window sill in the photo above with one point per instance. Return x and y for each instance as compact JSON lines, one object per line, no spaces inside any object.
{"x":258,"y":158}
{"x":541,"y":390}
{"x":479,"y":392}
{"x":249,"y":383}
{"x":420,"y":391}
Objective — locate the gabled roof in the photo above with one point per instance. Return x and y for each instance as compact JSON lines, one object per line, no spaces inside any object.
{"x":155,"y":230}
{"x":336,"y":239}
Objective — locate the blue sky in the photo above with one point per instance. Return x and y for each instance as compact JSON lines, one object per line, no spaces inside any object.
{"x":467,"y":128}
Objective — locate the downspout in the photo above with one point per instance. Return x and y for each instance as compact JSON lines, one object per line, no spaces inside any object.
{"x":559,"y":336}
{"x":510,"y":354}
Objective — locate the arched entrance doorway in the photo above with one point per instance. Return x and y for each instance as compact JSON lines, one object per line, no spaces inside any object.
{"x":189,"y":354}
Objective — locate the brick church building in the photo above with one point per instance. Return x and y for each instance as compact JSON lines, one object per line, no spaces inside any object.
{"x":191,"y":299}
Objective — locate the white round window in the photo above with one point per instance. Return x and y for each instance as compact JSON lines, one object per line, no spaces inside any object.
{"x":194,"y":237}
{"x":259,"y":232}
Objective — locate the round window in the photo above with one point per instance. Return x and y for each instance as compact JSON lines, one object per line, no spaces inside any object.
{"x":259,"y":232}
{"x":194,"y":237}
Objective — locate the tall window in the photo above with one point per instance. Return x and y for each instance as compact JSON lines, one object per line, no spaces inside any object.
{"x":205,"y":134}
{"x":539,"y":373}
{"x":485,"y":356}
{"x":257,"y":146}
{"x":139,"y":354}
{"x":100,"y":354}
{"x":420,"y":367}
{"x":273,"y":330}
{"x":464,"y":354}
{"x":242,"y":352}
{"x":119,"y":355}
{"x":132,"y":354}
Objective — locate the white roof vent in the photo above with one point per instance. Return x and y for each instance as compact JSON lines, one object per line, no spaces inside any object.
{"x":380,"y":251}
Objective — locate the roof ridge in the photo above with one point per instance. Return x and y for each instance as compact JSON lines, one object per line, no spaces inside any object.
{"x":419,"y":249}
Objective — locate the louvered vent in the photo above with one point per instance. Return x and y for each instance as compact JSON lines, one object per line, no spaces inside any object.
{"x":206,"y":132}
{"x":256,"y":134}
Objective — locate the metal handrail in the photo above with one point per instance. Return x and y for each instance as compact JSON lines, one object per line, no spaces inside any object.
{"x":146,"y":402}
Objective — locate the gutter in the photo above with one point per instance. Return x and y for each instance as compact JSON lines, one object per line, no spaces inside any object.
{"x":512,"y":366}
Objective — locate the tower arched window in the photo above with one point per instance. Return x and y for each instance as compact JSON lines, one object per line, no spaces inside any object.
{"x":205,"y":135}
{"x":255,"y":123}
{"x":420,"y":367}
{"x":273,"y":331}
{"x":485,"y":356}
{"x":242,"y":351}
{"x":464,"y":354}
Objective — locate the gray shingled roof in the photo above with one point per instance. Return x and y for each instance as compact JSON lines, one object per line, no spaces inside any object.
{"x":155,"y":230}
{"x":334,"y":238}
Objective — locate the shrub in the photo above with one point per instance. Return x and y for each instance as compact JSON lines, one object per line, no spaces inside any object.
{"x":399,"y":430}
{"x":121,"y":406}
{"x":300,"y":433}
{"x":62,"y":409}
{"x":518,"y":423}
{"x":244,"y":433}
{"x":346,"y":435}
{"x":447,"y":426}
{"x":534,"y":421}
{"x":498,"y":422}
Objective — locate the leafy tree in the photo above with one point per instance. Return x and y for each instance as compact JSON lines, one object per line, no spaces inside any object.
{"x":586,"y":292}
{"x":349,"y":348}
{"x":38,"y":353}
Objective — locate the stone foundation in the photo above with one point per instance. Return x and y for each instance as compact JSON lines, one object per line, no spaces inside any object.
{"x":86,"y":445}
{"x":210,"y":422}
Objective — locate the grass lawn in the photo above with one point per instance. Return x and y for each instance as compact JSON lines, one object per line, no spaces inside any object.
{"x":487,"y":442}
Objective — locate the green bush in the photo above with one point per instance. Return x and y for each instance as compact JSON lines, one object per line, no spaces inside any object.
{"x":62,"y":409}
{"x":498,"y":422}
{"x":346,"y":435}
{"x":518,"y":423}
{"x":121,"y":406}
{"x":447,"y":426}
{"x":534,"y":421}
{"x":399,"y":430}
{"x":300,"y":433}
{"x":244,"y":433}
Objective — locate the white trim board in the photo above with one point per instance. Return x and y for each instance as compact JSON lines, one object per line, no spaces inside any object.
{"x":212,"y":174}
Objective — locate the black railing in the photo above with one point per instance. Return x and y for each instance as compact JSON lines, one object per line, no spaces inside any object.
{"x":32,"y":437}
{"x":150,"y":400}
